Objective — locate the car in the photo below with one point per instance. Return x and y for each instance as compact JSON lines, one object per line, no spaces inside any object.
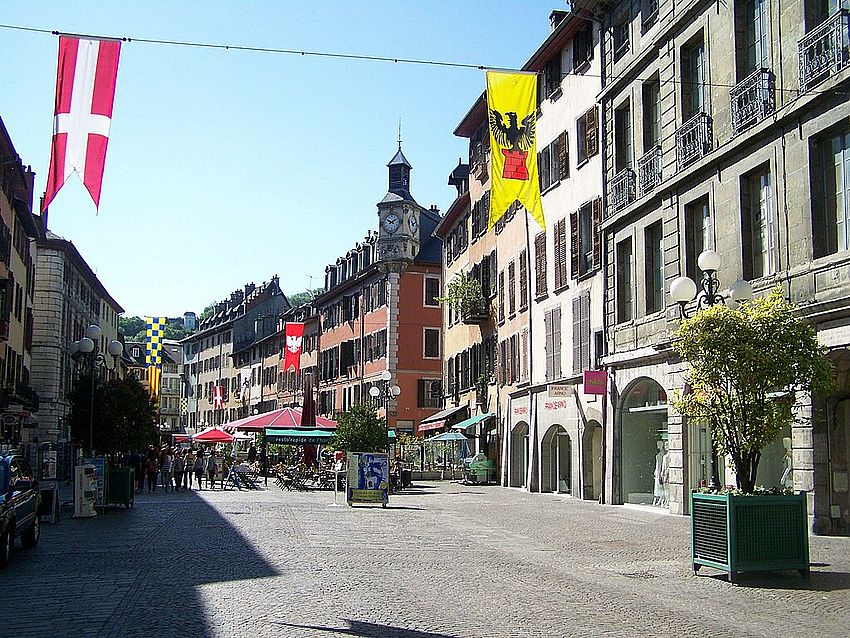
{"x":20,"y":500}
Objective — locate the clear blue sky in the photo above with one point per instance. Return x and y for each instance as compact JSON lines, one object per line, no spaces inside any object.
{"x":226,"y":167}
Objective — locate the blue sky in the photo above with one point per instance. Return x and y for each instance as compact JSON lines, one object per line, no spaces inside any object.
{"x":227,"y":167}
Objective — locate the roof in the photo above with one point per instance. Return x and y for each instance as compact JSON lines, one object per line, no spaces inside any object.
{"x":458,"y":208}
{"x":399,"y":158}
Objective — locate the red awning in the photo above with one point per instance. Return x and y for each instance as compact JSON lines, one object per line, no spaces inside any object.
{"x":283,"y":418}
{"x":434,"y":425}
{"x":213,"y":435}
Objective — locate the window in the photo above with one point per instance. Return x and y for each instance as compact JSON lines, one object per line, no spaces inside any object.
{"x":697,"y":237}
{"x":551,"y":81}
{"x":620,"y":36}
{"x":583,"y":47}
{"x":585,"y":245}
{"x":752,"y":41}
{"x":523,"y":279}
{"x":651,"y":91}
{"x":581,"y":333}
{"x":693,"y":78}
{"x":559,"y":253}
{"x":425,"y":397}
{"x":587,"y":136}
{"x":540,"y":264}
{"x":622,"y":137}
{"x":654,"y":264}
{"x":648,"y":14}
{"x":547,"y":166}
{"x":757,"y":224}
{"x":501,"y":296}
{"x":552,"y":326}
{"x":625,"y":281}
{"x":432,"y":291}
{"x":831,"y":194}
{"x":512,"y":289}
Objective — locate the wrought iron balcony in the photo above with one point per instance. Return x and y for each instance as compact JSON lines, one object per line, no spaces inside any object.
{"x":824,"y":51}
{"x":622,"y":191}
{"x":693,"y":140}
{"x":649,"y":170}
{"x":752,"y":99}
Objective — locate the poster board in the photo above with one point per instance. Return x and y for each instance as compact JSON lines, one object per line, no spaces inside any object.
{"x":99,"y":463}
{"x":368,"y":479}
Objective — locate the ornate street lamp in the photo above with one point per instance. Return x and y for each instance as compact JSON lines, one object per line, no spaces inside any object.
{"x":87,"y":353}
{"x":385,"y":392}
{"x":683,"y":291}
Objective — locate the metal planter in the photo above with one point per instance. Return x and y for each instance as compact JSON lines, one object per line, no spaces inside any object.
{"x":749,"y":533}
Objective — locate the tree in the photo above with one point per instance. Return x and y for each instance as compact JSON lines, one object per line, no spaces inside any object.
{"x":745,"y":366}
{"x":130,"y":327}
{"x":124,"y":414}
{"x":300,"y":298}
{"x":360,"y":430}
{"x":207,"y":312}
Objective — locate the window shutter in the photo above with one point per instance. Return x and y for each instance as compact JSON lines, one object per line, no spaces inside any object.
{"x":592,"y":132}
{"x":556,"y":342}
{"x":596,"y":231}
{"x":575,"y":247}
{"x":547,"y":329}
{"x":557,"y":240}
{"x":540,"y":263}
{"x":524,"y":376}
{"x":492,"y":289}
{"x":512,"y":288}
{"x":585,"y":331}
{"x":523,"y":279}
{"x":420,"y":393}
{"x":563,"y":156}
{"x":502,"y":296}
{"x":577,"y":329}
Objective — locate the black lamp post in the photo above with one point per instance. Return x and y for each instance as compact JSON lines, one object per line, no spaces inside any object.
{"x":385,"y":392}
{"x":683,"y":291}
{"x":87,"y":353}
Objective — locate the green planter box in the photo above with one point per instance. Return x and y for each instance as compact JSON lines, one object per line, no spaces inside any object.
{"x":749,"y":533}
{"x":120,"y":486}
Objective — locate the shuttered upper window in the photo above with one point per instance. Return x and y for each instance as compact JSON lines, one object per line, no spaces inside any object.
{"x":585,"y":240}
{"x":540,"y":264}
{"x":581,"y":333}
{"x":560,"y":254}
{"x":587,"y":135}
{"x":552,"y":325}
{"x":523,"y":280}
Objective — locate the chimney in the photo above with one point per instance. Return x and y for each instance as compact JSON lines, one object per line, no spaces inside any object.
{"x":556,"y":18}
{"x":249,"y":288}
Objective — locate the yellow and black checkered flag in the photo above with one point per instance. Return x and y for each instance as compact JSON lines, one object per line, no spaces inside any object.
{"x":153,"y":350}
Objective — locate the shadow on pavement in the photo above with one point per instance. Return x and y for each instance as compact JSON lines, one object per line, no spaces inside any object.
{"x":372,"y":630}
{"x":792,"y":581}
{"x":136,"y":572}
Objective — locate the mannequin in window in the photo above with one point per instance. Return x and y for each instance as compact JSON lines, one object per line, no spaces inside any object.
{"x":787,"y":479}
{"x":658,"y":489}
{"x":665,"y":477}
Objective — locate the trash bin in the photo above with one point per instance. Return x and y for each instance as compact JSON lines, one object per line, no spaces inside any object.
{"x":406,"y":478}
{"x":120,"y":484}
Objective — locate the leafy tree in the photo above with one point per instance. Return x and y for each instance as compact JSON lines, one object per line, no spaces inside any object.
{"x":740,"y":362}
{"x":300,"y":298}
{"x":206,"y":312}
{"x":130,"y":327}
{"x":360,"y":430}
{"x":124,"y":414}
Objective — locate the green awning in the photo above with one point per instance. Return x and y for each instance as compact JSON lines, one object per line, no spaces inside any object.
{"x":297,"y":437}
{"x":478,"y":418}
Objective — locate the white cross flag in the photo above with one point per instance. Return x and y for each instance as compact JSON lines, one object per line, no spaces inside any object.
{"x":85,"y":92}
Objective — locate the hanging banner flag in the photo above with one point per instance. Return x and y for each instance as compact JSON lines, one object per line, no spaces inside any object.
{"x":218,"y":397}
{"x":154,"y":378}
{"x":512,"y":116}
{"x":85,"y":93}
{"x":294,"y":338}
{"x":155,"y":333}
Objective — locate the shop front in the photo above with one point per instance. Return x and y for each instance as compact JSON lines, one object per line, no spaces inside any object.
{"x":644,"y":444}
{"x":519,"y":445}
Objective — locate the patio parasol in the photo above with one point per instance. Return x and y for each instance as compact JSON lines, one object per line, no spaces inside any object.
{"x":283,"y":418}
{"x":212,"y":435}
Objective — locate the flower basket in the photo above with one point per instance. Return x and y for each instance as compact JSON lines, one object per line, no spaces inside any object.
{"x":748,"y":533}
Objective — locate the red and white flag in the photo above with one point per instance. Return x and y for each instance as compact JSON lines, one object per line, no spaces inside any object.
{"x":85,"y":92}
{"x":218,"y":397}
{"x":294,"y":338}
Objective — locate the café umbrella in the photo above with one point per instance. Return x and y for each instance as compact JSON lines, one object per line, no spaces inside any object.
{"x":212,"y":435}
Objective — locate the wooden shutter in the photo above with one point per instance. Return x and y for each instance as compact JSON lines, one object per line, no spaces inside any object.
{"x":523,"y":279}
{"x":524,"y":376}
{"x":502,"y":296}
{"x":511,"y":288}
{"x":577,"y":327}
{"x":556,"y":342}
{"x":540,"y":263}
{"x":591,"y":132}
{"x":547,"y":328}
{"x":420,"y":393}
{"x":584,"y":307}
{"x":557,"y":243}
{"x":596,"y":232}
{"x":563,"y":156}
{"x":492,"y":291}
{"x":575,"y":247}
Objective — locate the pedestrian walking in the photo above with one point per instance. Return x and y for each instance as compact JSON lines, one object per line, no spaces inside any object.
{"x":188,"y":469}
{"x":177,"y":469}
{"x":211,"y":466}
{"x":165,"y":470}
{"x":151,"y":469}
{"x":199,"y":466}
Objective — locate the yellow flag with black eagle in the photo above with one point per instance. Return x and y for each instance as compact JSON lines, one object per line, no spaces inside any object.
{"x":512,"y":120}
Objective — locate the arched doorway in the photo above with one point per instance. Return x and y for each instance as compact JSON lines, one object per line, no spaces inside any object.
{"x":591,"y":442}
{"x":556,"y":461}
{"x":832,"y":464}
{"x":644,"y":449}
{"x":519,"y":455}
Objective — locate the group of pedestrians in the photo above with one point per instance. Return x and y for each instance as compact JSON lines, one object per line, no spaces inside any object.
{"x":173,"y":469}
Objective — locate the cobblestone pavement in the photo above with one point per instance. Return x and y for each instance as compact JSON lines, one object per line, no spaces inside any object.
{"x":444,"y":561}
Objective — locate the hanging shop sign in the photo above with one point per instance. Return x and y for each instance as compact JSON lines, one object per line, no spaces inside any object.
{"x":595,"y":381}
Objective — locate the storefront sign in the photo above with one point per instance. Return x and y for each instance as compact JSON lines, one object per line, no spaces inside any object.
{"x":595,"y":381}
{"x":557,"y":404}
{"x":561,"y":390}
{"x":368,"y":479}
{"x":520,"y":409}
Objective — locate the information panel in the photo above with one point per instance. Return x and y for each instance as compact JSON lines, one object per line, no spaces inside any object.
{"x":368,"y":478}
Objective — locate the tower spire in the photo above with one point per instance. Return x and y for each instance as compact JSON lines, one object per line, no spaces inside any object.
{"x":399,"y":132}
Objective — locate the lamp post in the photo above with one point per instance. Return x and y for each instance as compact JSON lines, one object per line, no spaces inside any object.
{"x":87,"y":353}
{"x":385,"y":392}
{"x":683,"y":290}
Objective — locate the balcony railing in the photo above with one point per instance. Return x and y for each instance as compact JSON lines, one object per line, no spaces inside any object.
{"x":622,"y":191}
{"x":693,"y":140}
{"x":476,"y":313}
{"x":649,"y":170}
{"x":752,"y":99}
{"x":825,"y":51}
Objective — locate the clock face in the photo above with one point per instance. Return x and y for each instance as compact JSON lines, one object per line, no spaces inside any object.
{"x":411,"y":222}
{"x":391,"y":223}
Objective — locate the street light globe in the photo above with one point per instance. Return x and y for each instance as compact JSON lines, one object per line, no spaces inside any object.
{"x":708,"y":261}
{"x":374,"y":392}
{"x":683,"y":289}
{"x":94,"y":332}
{"x":741,"y":291}
{"x":386,"y":375}
{"x":85,"y":345}
{"x":395,"y":390}
{"x":115,"y":348}
{"x":75,"y":346}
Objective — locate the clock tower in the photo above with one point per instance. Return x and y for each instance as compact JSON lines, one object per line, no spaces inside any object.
{"x":398,"y":218}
